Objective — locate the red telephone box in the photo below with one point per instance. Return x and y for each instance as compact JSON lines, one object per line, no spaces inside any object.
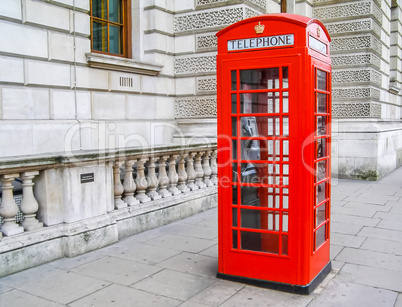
{"x":274,"y":115}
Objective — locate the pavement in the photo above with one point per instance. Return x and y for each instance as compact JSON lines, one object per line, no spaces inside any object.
{"x":175,"y":265}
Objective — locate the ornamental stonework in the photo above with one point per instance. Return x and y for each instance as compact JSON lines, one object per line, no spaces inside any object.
{"x":356,"y":76}
{"x":356,"y":59}
{"x":206,"y":84}
{"x":355,"y":93}
{"x":354,"y":26}
{"x":210,"y":19}
{"x":342,"y":11}
{"x":206,"y":42}
{"x":355,"y":43}
{"x":363,"y":109}
{"x":197,"y":107}
{"x":195,"y":65}
{"x":250,"y":13}
{"x":260,"y":3}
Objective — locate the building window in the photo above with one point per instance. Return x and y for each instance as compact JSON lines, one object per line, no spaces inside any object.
{"x":283,"y":6}
{"x":110,"y":31}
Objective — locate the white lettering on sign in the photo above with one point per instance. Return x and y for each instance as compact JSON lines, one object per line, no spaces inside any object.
{"x":317,"y":45}
{"x":261,"y":42}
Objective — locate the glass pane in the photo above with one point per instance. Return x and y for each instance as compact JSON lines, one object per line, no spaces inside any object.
{"x":234,"y":126}
{"x":285,"y":122}
{"x":321,"y":214}
{"x":115,"y":11}
{"x":234,"y":217}
{"x":254,"y":173}
{"x":320,"y":236}
{"x":321,"y":103}
{"x":115,"y":39}
{"x":274,"y":198}
{"x":234,"y":172}
{"x":321,"y":148}
{"x":285,"y":223}
{"x":234,"y":195}
{"x":99,"y":36}
{"x":99,"y":8}
{"x":285,"y":152}
{"x":285,"y":202}
{"x":265,"y":78}
{"x":261,"y":242}
{"x":234,"y":234}
{"x":234,"y":103}
{"x":321,"y":194}
{"x":285,"y":77}
{"x":285,"y":102}
{"x":321,"y":170}
{"x":234,"y":149}
{"x":260,"y":102}
{"x":250,"y":197}
{"x":251,"y":218}
{"x":284,"y":245}
{"x":321,"y":125}
{"x":234,"y":79}
{"x":321,"y":80}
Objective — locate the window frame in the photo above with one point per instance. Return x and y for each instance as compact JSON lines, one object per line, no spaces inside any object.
{"x":126,"y":28}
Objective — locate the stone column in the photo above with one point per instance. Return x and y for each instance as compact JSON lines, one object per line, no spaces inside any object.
{"x":191,"y":172}
{"x":214,"y":168}
{"x":152,"y":180}
{"x":199,"y":171}
{"x":141,"y":182}
{"x":129,"y":184}
{"x":29,"y":205}
{"x":207,"y":169}
{"x":173,"y":177}
{"x":118,"y":187}
{"x":8,"y":207}
{"x":182,"y":174}
{"x":163,"y":178}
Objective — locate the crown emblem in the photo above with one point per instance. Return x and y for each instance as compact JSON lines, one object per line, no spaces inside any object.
{"x":259,"y":28}
{"x":318,"y":32}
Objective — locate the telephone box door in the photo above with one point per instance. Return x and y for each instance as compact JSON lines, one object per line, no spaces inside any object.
{"x":260,"y":107}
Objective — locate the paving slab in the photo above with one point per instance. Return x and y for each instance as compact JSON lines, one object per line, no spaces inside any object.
{"x":346,"y":294}
{"x":117,"y":270}
{"x":380,"y":233}
{"x":360,"y":209}
{"x":217,"y":293}
{"x":387,"y":279}
{"x":370,"y":258}
{"x":195,"y":264}
{"x":196,"y":231}
{"x":181,"y":242}
{"x":139,"y":252}
{"x":254,"y":296}
{"x":399,"y":301}
{"x":346,"y":240}
{"x":355,"y":220}
{"x":16,"y":298}
{"x":54,"y":284}
{"x":117,"y":295}
{"x":173,"y":284}
{"x":4,"y":288}
{"x":345,"y":228}
{"x":393,"y":225}
{"x":389,"y":216}
{"x":211,"y":251}
{"x":382,"y":245}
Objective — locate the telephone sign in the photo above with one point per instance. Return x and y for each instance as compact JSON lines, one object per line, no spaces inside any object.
{"x":274,"y":140}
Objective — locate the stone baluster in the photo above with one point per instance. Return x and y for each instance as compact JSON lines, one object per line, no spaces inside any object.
{"x":118,"y":187}
{"x":163,"y":178}
{"x":8,"y":207}
{"x":182,"y":174}
{"x":152,"y":180}
{"x":199,"y":171}
{"x":207,"y":169}
{"x":191,"y":172}
{"x":141,"y":182}
{"x":173,"y":177}
{"x":29,"y":205}
{"x":214,"y":168}
{"x":129,"y":184}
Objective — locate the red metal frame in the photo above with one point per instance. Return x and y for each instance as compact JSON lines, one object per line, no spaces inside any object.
{"x":274,"y":237}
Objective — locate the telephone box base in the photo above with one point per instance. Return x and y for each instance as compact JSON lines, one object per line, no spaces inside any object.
{"x":296,"y":289}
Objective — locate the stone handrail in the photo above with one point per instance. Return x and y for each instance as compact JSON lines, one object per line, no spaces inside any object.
{"x":160,"y":172}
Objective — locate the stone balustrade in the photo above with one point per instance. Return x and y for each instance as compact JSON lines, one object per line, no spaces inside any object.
{"x":75,"y":203}
{"x":139,"y":177}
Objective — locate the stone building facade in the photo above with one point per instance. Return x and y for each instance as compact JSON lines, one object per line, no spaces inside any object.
{"x":75,"y":123}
